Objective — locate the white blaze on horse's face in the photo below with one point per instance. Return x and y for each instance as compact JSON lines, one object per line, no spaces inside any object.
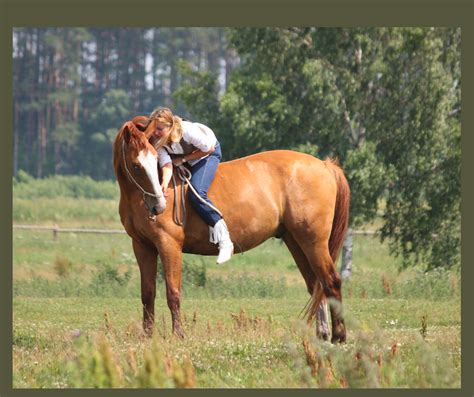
{"x":149,"y":162}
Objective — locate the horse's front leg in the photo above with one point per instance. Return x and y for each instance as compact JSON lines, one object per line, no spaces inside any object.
{"x":172,"y":260}
{"x":147,"y":256}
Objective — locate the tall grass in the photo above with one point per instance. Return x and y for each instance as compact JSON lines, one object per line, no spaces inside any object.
{"x":107,"y":281}
{"x":73,"y":186}
{"x":235,"y":348}
{"x":77,"y":315}
{"x":373,"y":360}
{"x":65,"y":199}
{"x":66,"y":211}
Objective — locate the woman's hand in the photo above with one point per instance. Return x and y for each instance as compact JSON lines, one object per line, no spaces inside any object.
{"x":177,"y":161}
{"x":167,"y":171}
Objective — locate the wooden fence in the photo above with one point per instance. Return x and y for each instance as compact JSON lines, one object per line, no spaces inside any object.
{"x":56,"y":230}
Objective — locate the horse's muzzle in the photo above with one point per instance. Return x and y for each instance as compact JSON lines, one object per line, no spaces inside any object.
{"x":155,"y":206}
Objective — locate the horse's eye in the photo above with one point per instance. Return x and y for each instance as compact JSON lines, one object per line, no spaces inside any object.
{"x":136,"y":167}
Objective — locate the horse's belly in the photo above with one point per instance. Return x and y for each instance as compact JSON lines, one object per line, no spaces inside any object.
{"x":250,"y":202}
{"x":247,"y":226}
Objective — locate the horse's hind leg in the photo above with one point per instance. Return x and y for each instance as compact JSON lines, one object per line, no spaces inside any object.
{"x":147,"y":262}
{"x":322,"y":325}
{"x":317,"y":252}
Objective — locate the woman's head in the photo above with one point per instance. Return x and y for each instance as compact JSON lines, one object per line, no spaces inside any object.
{"x":164,"y":127}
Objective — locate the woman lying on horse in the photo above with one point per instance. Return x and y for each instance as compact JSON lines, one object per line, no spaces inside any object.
{"x":178,"y":142}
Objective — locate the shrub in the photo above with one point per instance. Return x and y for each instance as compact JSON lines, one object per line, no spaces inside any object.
{"x":62,"y":266}
{"x":101,"y":365}
{"x":75,"y":186}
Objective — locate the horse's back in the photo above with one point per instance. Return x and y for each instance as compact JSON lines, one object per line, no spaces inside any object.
{"x":275,"y":158}
{"x":285,"y":170}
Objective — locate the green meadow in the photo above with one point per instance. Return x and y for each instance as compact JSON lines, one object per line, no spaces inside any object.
{"x":77,"y":315}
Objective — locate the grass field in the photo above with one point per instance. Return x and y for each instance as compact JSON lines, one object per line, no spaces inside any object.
{"x":77,"y":316}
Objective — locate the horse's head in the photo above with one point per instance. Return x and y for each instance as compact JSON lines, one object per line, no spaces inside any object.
{"x":140,"y":165}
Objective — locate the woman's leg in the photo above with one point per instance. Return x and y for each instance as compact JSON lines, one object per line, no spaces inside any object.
{"x":203,"y":173}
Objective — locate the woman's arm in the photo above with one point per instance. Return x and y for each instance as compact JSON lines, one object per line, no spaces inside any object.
{"x":167,"y":170}
{"x":197,"y":154}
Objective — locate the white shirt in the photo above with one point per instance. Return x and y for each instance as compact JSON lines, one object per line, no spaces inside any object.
{"x":196,"y":134}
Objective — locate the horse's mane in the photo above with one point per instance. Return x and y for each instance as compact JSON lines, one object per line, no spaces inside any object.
{"x":135,"y":127}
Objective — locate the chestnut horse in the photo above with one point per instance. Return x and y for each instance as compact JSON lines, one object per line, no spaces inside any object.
{"x":280,"y":193}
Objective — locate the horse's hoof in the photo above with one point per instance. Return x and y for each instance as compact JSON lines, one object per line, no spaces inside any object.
{"x":179,"y":333}
{"x":148,"y":330}
{"x":338,"y":337}
{"x":324,"y":336}
{"x":335,"y":340}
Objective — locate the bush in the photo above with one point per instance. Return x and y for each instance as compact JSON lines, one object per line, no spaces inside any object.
{"x":193,"y":274}
{"x":75,"y":186}
{"x":63,"y":266}
{"x":65,"y":209}
{"x":101,"y":364}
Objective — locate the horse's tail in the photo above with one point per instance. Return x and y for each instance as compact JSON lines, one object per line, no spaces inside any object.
{"x":340,"y":224}
{"x":340,"y":221}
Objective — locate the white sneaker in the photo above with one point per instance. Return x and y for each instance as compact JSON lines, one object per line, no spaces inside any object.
{"x":225,"y":252}
{"x":219,"y":234}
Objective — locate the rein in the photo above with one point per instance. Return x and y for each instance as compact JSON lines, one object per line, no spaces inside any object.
{"x":176,"y":216}
{"x":185,"y":175}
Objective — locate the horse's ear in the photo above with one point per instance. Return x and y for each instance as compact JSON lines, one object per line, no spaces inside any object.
{"x":141,"y":122}
{"x":127,"y":131}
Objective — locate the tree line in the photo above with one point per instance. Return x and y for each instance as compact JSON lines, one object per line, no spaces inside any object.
{"x":384,"y":101}
{"x":74,"y":87}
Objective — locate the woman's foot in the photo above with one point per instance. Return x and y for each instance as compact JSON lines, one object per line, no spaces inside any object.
{"x":226,"y":249}
{"x":219,"y":234}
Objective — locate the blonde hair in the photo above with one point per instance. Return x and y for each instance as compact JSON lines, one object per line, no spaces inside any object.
{"x":165,"y":116}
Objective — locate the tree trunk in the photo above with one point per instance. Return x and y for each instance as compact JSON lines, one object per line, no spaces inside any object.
{"x":346,"y":260}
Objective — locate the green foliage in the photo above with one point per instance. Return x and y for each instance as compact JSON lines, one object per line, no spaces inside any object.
{"x":200,"y":89}
{"x":67,"y":134}
{"x":66,"y":210}
{"x":246,"y":286}
{"x":63,"y":266}
{"x":368,"y":178}
{"x":72,"y":186}
{"x":75,"y":87}
{"x":22,"y":177}
{"x":384,"y":101}
{"x":106,"y":119}
{"x":422,"y":215}
{"x":193,"y":274}
{"x":243,"y":324}
{"x":100,"y":365}
{"x":109,"y":275}
{"x":370,"y":361}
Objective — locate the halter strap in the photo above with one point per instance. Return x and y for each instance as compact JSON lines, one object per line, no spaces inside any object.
{"x":131,"y":178}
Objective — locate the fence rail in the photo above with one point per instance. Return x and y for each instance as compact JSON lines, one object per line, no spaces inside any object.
{"x":56,"y":230}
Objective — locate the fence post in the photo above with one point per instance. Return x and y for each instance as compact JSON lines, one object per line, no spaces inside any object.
{"x":55,"y":232}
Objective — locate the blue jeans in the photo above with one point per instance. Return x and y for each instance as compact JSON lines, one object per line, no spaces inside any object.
{"x":203,"y":174}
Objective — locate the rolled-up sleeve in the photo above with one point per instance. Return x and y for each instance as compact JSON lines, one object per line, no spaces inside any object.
{"x":199,"y":135}
{"x":163,"y":157}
